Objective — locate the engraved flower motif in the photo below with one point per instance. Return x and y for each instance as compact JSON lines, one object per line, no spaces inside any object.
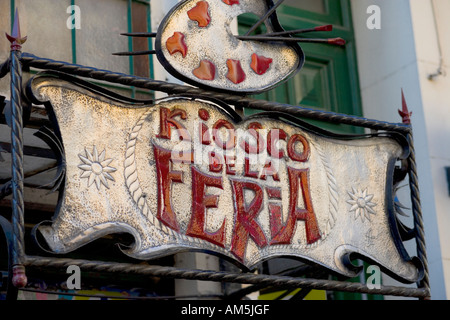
{"x":361,"y":204}
{"x":95,"y":168}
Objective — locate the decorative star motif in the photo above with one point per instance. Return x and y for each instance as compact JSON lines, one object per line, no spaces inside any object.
{"x":361,"y":204}
{"x":95,"y":168}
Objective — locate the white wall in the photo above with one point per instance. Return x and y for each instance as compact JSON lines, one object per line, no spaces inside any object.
{"x":431,"y":24}
{"x":159,"y":9}
{"x":388,"y":62}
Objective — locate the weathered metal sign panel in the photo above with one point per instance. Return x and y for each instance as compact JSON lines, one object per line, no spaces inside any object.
{"x":190,"y":175}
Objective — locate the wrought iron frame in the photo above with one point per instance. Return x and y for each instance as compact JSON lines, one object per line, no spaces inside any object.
{"x":14,"y":229}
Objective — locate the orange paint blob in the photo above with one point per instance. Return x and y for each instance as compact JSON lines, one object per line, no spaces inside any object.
{"x":235,"y":72}
{"x":206,"y":70}
{"x":260,"y":64}
{"x":200,"y":14}
{"x":176,"y":44}
{"x":231,"y":2}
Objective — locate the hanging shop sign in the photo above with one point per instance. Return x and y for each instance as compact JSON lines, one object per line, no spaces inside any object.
{"x":190,"y":174}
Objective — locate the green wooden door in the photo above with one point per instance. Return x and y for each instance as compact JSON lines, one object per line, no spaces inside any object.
{"x":328,"y":81}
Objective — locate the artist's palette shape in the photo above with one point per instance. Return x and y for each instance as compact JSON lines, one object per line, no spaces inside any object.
{"x":195,"y":43}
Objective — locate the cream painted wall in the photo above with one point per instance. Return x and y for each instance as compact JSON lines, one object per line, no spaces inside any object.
{"x":389,"y":60}
{"x":159,"y":9}
{"x":430,"y":24}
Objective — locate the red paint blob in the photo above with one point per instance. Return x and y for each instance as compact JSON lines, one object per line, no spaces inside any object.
{"x":235,"y":72}
{"x":176,"y":44}
{"x":206,"y":70}
{"x":200,"y":14}
{"x":231,"y":2}
{"x":260,"y":64}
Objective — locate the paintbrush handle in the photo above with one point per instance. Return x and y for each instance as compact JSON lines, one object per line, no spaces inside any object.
{"x":336,"y":41}
{"x":135,"y":53}
{"x":140,"y":34}
{"x":297,"y":31}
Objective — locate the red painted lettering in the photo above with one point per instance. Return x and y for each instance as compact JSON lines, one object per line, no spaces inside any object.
{"x":273,"y":137}
{"x":200,"y":203}
{"x":275,"y":219}
{"x":229,"y":164}
{"x":273,"y":193}
{"x":247,"y":171}
{"x":215,"y":162}
{"x":203,"y":114}
{"x":165,"y":178}
{"x":205,"y":137}
{"x":253,"y":130}
{"x":245,"y":224}
{"x":276,"y":214}
{"x":167,"y":120}
{"x":269,"y":170}
{"x":293,"y":154}
{"x":299,"y":179}
{"x":231,"y":141}
{"x":204,"y":134}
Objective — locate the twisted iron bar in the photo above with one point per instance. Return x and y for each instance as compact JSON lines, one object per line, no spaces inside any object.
{"x":171,"y":88}
{"x":115,"y":297}
{"x":217,"y":276}
{"x":17,"y":183}
{"x":417,"y":213}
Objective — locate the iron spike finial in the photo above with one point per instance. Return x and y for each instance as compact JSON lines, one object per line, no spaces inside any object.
{"x":16,"y":38}
{"x":405,"y":113}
